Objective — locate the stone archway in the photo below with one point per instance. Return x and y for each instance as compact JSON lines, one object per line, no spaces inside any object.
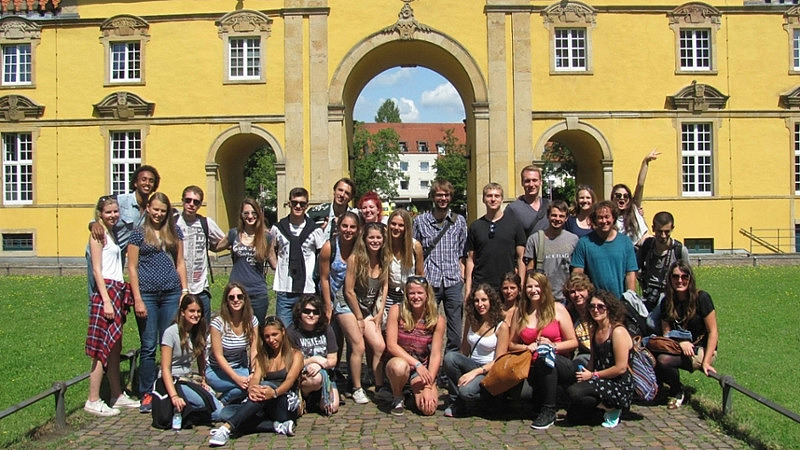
{"x":423,"y":47}
{"x":589,"y":147}
{"x":225,"y":165}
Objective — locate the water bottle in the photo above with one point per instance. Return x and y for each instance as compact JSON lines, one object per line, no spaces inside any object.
{"x":581,"y":368}
{"x":177,"y":419}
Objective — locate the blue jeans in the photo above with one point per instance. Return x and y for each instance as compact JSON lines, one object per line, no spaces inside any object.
{"x":453,"y":298}
{"x":455,"y":365}
{"x":194,"y":399}
{"x":284,"y":301}
{"x":223,"y":384}
{"x":205,"y":298}
{"x":162,"y":307}
{"x":260,"y":304}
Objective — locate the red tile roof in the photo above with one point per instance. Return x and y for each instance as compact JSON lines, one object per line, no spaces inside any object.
{"x":430,"y":133}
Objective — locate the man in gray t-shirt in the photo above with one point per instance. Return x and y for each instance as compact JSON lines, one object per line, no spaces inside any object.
{"x":558,"y":244}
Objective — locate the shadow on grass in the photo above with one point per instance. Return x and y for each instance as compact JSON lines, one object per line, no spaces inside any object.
{"x":710,"y":410}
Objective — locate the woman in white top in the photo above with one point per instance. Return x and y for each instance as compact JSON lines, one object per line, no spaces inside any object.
{"x":630,"y":221}
{"x":233,"y":332}
{"x":485,"y":336}
{"x":405,"y":256}
{"x":108,"y":305}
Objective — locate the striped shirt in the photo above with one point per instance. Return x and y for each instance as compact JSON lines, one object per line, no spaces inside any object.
{"x":234,"y":346}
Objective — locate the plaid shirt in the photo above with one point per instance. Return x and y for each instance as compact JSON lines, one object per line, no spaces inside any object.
{"x":443,"y":265}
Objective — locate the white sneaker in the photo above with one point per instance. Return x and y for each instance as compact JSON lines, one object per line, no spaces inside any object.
{"x":360,"y":397}
{"x":285,"y":428}
{"x":99,"y":408}
{"x":219,"y":436}
{"x":124,"y":401}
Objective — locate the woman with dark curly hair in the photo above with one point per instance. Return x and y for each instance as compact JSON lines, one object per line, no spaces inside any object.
{"x":690,"y":310}
{"x":606,"y":381}
{"x":311,"y":333}
{"x":485,"y":337}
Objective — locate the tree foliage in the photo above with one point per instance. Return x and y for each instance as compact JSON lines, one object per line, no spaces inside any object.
{"x":452,"y":166}
{"x":261,"y":180}
{"x":388,"y":112}
{"x":376,"y":161}
{"x":560,"y":164}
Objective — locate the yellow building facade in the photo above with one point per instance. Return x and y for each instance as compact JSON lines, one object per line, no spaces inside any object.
{"x":92,"y":88}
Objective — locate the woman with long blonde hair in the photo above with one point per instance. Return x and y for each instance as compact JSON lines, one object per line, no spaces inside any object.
{"x":404,"y":255}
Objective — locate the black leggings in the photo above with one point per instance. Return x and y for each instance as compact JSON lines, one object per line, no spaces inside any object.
{"x":276,"y":409}
{"x":667,"y":370}
{"x":545,"y":380}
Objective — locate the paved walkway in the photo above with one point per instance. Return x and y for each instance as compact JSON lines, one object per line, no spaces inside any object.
{"x":371,"y":426}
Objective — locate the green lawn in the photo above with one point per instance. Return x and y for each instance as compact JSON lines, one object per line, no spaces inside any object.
{"x":43,"y":328}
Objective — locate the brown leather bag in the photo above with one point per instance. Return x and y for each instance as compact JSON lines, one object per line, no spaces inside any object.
{"x":508,"y":371}
{"x":659,"y":344}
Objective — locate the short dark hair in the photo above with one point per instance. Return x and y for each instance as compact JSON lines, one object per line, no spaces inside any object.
{"x":192,"y":188}
{"x":298,"y":192}
{"x":145,"y":168}
{"x":663,"y":218}
{"x":348,"y":182}
{"x":560,"y":205}
{"x":604,"y":204}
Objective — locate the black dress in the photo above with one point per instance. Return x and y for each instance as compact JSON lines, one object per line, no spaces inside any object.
{"x":614,"y":392}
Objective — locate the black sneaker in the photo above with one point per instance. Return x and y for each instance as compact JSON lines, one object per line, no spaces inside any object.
{"x":545,"y":418}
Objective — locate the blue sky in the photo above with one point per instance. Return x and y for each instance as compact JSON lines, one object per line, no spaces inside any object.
{"x":421,"y":94}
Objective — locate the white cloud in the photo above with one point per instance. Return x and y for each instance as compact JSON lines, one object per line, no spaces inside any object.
{"x":392,"y":77}
{"x":408,"y":110}
{"x":443,"y":95}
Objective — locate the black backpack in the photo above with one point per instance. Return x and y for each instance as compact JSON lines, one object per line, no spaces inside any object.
{"x":163,"y":409}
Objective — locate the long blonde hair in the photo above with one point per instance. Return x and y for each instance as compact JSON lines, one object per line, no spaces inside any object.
{"x":431,"y":315}
{"x":169,"y":235}
{"x":361,"y":255}
{"x":544,"y":309}
{"x":406,"y":242}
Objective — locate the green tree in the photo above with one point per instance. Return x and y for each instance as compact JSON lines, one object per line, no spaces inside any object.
{"x":376,"y":161}
{"x":388,"y":113}
{"x":261,"y":181}
{"x":560,"y":163}
{"x":452,"y":166}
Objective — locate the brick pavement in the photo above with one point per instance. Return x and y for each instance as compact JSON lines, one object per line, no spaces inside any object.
{"x":371,"y":426}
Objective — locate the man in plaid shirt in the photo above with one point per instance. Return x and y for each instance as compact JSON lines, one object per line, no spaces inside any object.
{"x":444,"y":267}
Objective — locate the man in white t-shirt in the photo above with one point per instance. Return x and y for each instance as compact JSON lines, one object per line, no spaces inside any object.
{"x":199,"y":235}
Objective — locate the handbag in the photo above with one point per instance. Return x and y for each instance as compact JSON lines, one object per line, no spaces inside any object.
{"x":508,"y":371}
{"x":642,"y":368}
{"x":658,"y":344}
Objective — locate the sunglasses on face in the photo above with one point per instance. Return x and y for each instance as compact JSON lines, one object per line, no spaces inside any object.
{"x":296,"y":203}
{"x":621,"y":196}
{"x":310,"y":312}
{"x":491,"y":230}
{"x":680,"y":276}
{"x":232,"y":297}
{"x":193,"y":201}
{"x":599,"y":307}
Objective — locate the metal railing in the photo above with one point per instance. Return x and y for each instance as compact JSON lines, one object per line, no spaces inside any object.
{"x":774,"y":240}
{"x":728,"y":384}
{"x":59,"y":390}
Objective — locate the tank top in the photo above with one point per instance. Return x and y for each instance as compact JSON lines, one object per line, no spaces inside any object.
{"x":552,"y":331}
{"x":416,"y":342}
{"x":483,"y":352}
{"x":398,"y":276}
{"x":338,"y":269}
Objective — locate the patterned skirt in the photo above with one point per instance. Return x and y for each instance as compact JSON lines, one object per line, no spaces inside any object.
{"x":103,"y":333}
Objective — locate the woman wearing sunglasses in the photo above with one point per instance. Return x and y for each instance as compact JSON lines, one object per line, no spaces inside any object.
{"x":630,"y":221}
{"x":605,"y":381}
{"x":233,"y":332}
{"x":251,"y":249}
{"x":312,"y":334}
{"x":691,"y":311}
{"x":414,"y":338}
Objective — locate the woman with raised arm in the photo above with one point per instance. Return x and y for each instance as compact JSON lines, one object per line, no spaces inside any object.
{"x":631,"y":221}
{"x":109,"y":303}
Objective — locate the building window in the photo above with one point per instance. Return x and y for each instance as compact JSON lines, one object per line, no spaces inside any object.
{"x":403,"y":146}
{"x":18,"y":40}
{"x":124,"y":38}
{"x":699,"y":245}
{"x":696,"y":159}
{"x":404,"y":185}
{"x":695,"y":49}
{"x":570,"y":49}
{"x":17,"y":64}
{"x":440,"y":148}
{"x":126,"y":156}
{"x":17,"y":242}
{"x":17,"y":168}
{"x":404,"y":166}
{"x":797,"y":158}
{"x":424,"y":166}
{"x":796,"y":50}
{"x":424,"y":184}
{"x":422,"y":146}
{"x":126,"y":62}
{"x":245,"y":35}
{"x":695,"y":27}
{"x":791,"y":23}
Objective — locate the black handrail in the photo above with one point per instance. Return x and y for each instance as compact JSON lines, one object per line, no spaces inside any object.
{"x":727,"y":383}
{"x":60,"y":388}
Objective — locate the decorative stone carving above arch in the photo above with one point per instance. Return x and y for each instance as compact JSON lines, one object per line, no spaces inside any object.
{"x":124,"y":105}
{"x":15,"y":108}
{"x":695,"y":13}
{"x":406,"y":25}
{"x":697,"y":98}
{"x":790,"y":100}
{"x":125,"y":26}
{"x":244,"y":21}
{"x":791,"y":23}
{"x":569,"y":13}
{"x":19,"y":28}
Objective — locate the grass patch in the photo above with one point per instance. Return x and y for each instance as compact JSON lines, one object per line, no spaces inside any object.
{"x":43,"y":330}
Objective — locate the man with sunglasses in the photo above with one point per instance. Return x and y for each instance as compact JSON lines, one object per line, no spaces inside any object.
{"x":297,"y":240}
{"x":200,"y":234}
{"x":495,"y":243}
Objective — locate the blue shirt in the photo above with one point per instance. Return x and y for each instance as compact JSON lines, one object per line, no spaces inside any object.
{"x":130,"y":217}
{"x":443,"y":266}
{"x":605,"y":262}
{"x":156,"y":267}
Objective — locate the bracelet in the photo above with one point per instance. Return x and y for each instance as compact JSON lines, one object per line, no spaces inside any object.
{"x":483,"y":370}
{"x":173,"y":396}
{"x":595,"y":375}
{"x":417,"y":365}
{"x":184,"y":291}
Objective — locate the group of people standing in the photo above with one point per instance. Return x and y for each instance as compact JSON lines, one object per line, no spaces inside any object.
{"x":537,"y":277}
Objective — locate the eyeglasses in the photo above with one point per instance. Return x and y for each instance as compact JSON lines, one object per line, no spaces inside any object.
{"x":621,"y":196}
{"x":416,"y":279}
{"x":599,"y":307}
{"x":680,"y":276}
{"x":296,"y":203}
{"x":193,"y":201}
{"x":310,"y":312}
{"x":491,"y":230}
{"x":232,"y":297}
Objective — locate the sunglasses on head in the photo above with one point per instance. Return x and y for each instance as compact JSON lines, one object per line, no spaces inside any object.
{"x":417,"y":279}
{"x":193,"y":201}
{"x":106,"y":198}
{"x":232,"y":297}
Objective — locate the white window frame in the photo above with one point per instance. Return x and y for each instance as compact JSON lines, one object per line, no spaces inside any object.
{"x":422,"y":147}
{"x":569,"y":49}
{"x":404,"y":166}
{"x":797,"y":158}
{"x":251,"y":29}
{"x":791,"y":23}
{"x":424,"y":184}
{"x":402,"y":146}
{"x":795,"y":47}
{"x":424,"y":166}
{"x":569,"y":17}
{"x":16,"y":34}
{"x":125,"y":61}
{"x":403,"y":185}
{"x":244,"y":58}
{"x":686,"y":22}
{"x":18,"y":183}
{"x":18,"y":58}
{"x":697,"y":142}
{"x":694,"y":42}
{"x":125,"y":156}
